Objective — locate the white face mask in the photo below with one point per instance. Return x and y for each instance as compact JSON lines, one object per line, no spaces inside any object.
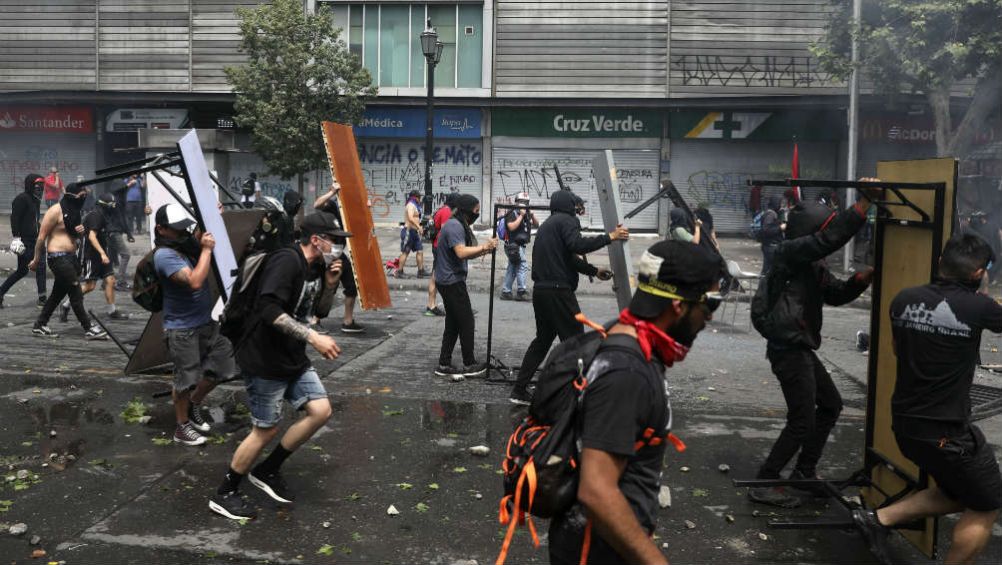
{"x":334,"y":254}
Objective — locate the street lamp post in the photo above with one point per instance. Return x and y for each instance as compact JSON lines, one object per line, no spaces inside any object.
{"x":432,"y":49}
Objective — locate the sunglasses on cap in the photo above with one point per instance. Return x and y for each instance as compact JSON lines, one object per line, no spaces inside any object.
{"x":710,"y":300}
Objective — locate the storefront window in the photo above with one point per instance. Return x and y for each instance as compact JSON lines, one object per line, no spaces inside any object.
{"x":387,"y":38}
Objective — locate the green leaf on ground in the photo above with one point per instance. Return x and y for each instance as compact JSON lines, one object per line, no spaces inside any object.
{"x":314,"y":448}
{"x":135,"y":409}
{"x":26,"y":444}
{"x":353,"y":496}
{"x":433,"y":486}
{"x":459,"y":469}
{"x":217,"y":439}
{"x":326,"y":549}
{"x":393,"y":412}
{"x":700,"y":492}
{"x":162,"y":441}
{"x":421,"y":507}
{"x":405,"y":486}
{"x":356,"y":536}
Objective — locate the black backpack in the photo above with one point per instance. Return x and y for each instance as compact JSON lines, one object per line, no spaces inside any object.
{"x":540,"y":466}
{"x":146,"y":290}
{"x":238,"y":317}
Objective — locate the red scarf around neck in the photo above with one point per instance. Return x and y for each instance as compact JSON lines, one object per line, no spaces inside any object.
{"x":652,"y":339}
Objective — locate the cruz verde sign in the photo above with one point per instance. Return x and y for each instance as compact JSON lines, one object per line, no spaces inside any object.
{"x":575,"y":123}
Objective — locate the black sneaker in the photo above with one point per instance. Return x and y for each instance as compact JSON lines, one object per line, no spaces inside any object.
{"x":196,"y":420}
{"x":423,"y":274}
{"x":475,"y":370}
{"x":447,"y":371}
{"x":95,"y":332}
{"x":773,"y":496}
{"x":232,"y":506}
{"x":64,"y":314}
{"x":273,"y":485}
{"x":186,"y":434}
{"x":436,"y":311}
{"x":523,"y":296}
{"x":41,"y":301}
{"x":520,"y":396}
{"x":43,"y":331}
{"x":816,"y":491}
{"x":118,"y":315}
{"x":352,"y":328}
{"x":506,"y":296}
{"x":874,"y":532}
{"x":1,"y":303}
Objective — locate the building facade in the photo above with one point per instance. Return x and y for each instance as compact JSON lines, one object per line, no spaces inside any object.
{"x":704,"y":93}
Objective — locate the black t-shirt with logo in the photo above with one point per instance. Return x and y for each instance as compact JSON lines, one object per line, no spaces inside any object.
{"x":288,"y":285}
{"x":937,"y":333}
{"x":521,"y":234}
{"x":629,"y":397}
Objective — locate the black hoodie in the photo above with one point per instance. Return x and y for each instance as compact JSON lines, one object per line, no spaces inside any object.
{"x":556,"y":259}
{"x":24,"y":211}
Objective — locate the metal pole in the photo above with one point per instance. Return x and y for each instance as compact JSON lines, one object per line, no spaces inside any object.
{"x":850,"y":193}
{"x":429,"y":142}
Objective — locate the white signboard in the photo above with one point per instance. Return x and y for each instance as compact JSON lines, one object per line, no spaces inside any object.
{"x":203,"y":194}
{"x":157,"y":196}
{"x":607,"y":188}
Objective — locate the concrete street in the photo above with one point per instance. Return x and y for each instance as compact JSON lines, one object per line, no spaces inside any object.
{"x":100,"y":490}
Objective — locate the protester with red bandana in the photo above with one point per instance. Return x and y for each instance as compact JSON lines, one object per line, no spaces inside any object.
{"x":626,"y":416}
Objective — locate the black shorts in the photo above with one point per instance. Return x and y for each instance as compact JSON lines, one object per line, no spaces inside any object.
{"x":958,"y":457}
{"x":93,"y":269}
{"x":347,"y":282}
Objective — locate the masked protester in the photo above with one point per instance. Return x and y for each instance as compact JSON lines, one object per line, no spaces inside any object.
{"x":937,"y":336}
{"x":24,"y":231}
{"x":57,"y":239}
{"x":456,"y":245}
{"x":201,"y":356}
{"x":786,"y":310}
{"x":771,"y":233}
{"x":626,"y":417}
{"x":297,"y":284}
{"x":441,"y":216}
{"x":682,"y":228}
{"x":96,"y":265}
{"x":556,"y":261}
{"x":327,"y":202}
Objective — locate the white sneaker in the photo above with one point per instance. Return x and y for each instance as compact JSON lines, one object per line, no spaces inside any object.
{"x":187,"y":435}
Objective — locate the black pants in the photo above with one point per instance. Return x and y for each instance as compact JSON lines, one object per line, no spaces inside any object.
{"x":554,"y":310}
{"x":135,"y":214}
{"x":768,"y":255}
{"x":22,"y":270}
{"x":813,"y":404}
{"x":66,"y":272}
{"x":459,"y":323}
{"x":347,"y":280}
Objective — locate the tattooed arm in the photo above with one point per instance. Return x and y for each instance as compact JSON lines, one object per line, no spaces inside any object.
{"x":290,"y":327}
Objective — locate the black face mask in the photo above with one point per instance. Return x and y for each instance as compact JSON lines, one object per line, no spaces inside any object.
{"x":188,"y":245}
{"x":684,"y":331}
{"x":471,"y":217}
{"x":73,"y":202}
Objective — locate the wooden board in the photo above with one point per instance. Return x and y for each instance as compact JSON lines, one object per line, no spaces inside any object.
{"x":363,"y":246}
{"x":907,"y":257}
{"x":607,"y":187}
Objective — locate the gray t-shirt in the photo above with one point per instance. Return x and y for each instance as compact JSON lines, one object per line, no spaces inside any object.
{"x":449,"y":268}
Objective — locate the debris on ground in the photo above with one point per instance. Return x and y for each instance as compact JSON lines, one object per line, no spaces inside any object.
{"x":18,"y":529}
{"x":690,"y":525}
{"x":392,"y":510}
{"x":481,"y":450}
{"x":664,"y":497}
{"x":723,"y":467}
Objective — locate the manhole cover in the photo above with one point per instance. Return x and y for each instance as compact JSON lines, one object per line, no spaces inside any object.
{"x":985,"y":401}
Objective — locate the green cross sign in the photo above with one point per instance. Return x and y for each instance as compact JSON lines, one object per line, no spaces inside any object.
{"x":727,"y":125}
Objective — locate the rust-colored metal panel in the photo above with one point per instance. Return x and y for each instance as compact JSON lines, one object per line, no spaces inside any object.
{"x":366,"y":260}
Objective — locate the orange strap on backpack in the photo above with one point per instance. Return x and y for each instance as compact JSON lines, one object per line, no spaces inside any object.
{"x":518,"y":516}
{"x":582,"y":319}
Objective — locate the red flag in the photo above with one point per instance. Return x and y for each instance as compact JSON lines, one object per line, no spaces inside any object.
{"x":796,"y":172}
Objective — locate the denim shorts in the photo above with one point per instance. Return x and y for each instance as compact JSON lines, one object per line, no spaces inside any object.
{"x":265,"y":396}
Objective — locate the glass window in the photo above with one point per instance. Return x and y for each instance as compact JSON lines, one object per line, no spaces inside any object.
{"x":418,"y":70}
{"x":470,"y":47}
{"x":370,"y":41}
{"x":443,"y":19}
{"x":339,"y":13}
{"x":355,"y":29}
{"x":394,"y":28}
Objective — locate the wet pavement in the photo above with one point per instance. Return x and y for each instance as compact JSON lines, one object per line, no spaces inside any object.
{"x":100,"y":490}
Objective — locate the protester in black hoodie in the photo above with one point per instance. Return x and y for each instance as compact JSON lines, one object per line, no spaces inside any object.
{"x":786,"y":310}
{"x":24,"y":229}
{"x":556,"y":262}
{"x":771,"y":234}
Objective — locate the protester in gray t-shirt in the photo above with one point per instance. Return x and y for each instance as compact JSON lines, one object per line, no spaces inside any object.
{"x":456,"y":244}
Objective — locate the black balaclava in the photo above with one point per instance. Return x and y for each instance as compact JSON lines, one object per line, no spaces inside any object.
{"x":71,"y":205}
{"x":774,"y":203}
{"x":807,"y":218}
{"x":679,"y":219}
{"x":292,"y":202}
{"x":106,"y":204}
{"x":451,"y":199}
{"x":465,"y":204}
{"x":33,"y":185}
{"x":562,"y":201}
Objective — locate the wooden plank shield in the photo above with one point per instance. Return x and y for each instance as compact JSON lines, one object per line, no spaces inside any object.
{"x":363,"y":246}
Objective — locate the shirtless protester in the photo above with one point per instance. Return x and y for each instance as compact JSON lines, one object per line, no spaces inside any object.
{"x":61,"y":227}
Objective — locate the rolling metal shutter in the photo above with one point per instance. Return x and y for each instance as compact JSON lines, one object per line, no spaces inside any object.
{"x":531,"y":170}
{"x":35,"y":152}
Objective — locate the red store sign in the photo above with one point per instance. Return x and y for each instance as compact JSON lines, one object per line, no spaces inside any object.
{"x":68,"y":119}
